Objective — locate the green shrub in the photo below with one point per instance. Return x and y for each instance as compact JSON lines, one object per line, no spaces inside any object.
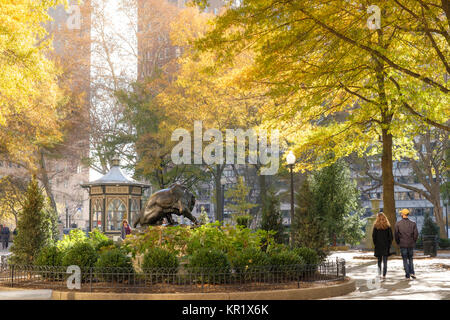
{"x":244,"y":220}
{"x":159,"y":264}
{"x":81,"y":254}
{"x":309,"y":256}
{"x":114,"y":265}
{"x":285,"y":258}
{"x":209,"y":265}
{"x":104,"y":245}
{"x":49,"y":256}
{"x":250,"y":263}
{"x":159,"y":258}
{"x":444,"y":243}
{"x":49,"y":260}
{"x":286,"y":263}
{"x":249,"y":259}
{"x":419,"y":242}
{"x":429,"y":228}
{"x":99,"y":240}
{"x":228,"y":239}
{"x":76,"y":236}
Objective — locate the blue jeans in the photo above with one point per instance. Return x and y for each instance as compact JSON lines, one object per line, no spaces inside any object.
{"x":407,"y":255}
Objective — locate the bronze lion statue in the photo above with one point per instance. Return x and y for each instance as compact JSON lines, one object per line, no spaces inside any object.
{"x":176,"y":199}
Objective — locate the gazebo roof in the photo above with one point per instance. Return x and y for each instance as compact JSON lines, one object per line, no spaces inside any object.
{"x":115,"y":176}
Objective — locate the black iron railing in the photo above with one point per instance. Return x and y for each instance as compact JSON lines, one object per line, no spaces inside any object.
{"x":168,"y":281}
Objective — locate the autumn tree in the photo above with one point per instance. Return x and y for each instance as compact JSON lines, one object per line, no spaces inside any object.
{"x":150,"y":139}
{"x":12,"y":197}
{"x":342,"y":82}
{"x":31,"y":102}
{"x":211,"y":95}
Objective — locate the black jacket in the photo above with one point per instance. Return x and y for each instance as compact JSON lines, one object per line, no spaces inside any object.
{"x":406,"y":233}
{"x":5,"y":233}
{"x":382,"y":240}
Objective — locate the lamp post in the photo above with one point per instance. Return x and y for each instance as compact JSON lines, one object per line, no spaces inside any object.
{"x":290,"y":159}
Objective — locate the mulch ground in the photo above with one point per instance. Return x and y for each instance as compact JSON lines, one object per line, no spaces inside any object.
{"x":172,"y":288}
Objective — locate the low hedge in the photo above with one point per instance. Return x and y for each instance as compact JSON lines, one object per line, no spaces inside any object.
{"x":82,"y":255}
{"x":159,"y":258}
{"x":209,"y":265}
{"x":114,"y":265}
{"x":250,"y":262}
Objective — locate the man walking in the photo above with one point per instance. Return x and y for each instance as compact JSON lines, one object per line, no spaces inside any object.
{"x":406,"y":236}
{"x":5,"y":237}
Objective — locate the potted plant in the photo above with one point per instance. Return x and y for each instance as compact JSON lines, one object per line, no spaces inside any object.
{"x":430,"y":232}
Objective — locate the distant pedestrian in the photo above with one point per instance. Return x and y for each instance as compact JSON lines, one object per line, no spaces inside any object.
{"x":5,"y":237}
{"x":125,"y":230}
{"x":382,"y":240}
{"x":406,"y":235}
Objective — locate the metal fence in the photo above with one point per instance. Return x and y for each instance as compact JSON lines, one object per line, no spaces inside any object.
{"x":170,"y":281}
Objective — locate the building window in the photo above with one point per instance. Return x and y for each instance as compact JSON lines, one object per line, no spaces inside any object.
{"x":134,"y":211}
{"x":115,"y":215}
{"x":97,"y":214}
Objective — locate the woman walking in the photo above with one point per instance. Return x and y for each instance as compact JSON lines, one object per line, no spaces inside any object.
{"x":382,"y":240}
{"x":126,"y":229}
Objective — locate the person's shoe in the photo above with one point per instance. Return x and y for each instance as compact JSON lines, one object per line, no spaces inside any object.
{"x":413,"y":276}
{"x":407,"y":277}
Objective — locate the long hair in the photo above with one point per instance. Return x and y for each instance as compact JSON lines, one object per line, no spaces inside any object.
{"x":381,"y":223}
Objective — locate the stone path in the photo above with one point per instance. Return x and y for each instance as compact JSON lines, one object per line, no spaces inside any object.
{"x":26,"y":295}
{"x":432,"y":283}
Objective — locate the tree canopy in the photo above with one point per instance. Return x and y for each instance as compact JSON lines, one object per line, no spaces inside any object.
{"x":30,"y":98}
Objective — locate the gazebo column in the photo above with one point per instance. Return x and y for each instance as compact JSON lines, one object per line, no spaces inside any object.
{"x":129,"y":217}
{"x":90,"y":214}
{"x":104,"y":215}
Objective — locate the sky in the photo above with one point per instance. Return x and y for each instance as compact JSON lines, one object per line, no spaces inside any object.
{"x":123,"y":62}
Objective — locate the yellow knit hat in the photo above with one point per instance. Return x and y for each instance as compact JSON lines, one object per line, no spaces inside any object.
{"x":404,"y":212}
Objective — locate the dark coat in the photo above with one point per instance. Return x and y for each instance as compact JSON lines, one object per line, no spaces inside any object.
{"x":406,"y":233}
{"x":382,"y":240}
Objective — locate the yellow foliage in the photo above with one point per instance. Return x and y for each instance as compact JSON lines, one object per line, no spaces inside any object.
{"x":30,"y":99}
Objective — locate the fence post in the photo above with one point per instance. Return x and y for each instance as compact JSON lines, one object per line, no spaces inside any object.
{"x":90,"y":279}
{"x":337,"y":267}
{"x":12,"y":276}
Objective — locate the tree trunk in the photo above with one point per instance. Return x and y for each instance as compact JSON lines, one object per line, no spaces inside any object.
{"x":438,"y":214}
{"x":388,"y":182}
{"x":46,"y":182}
{"x":218,"y":187}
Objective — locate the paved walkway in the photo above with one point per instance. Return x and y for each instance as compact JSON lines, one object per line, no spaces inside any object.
{"x":26,"y":295}
{"x":432,"y":283}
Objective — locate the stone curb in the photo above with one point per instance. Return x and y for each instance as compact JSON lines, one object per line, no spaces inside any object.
{"x":289,"y":294}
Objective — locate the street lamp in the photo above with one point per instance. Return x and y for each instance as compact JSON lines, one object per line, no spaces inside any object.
{"x":290,"y":159}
